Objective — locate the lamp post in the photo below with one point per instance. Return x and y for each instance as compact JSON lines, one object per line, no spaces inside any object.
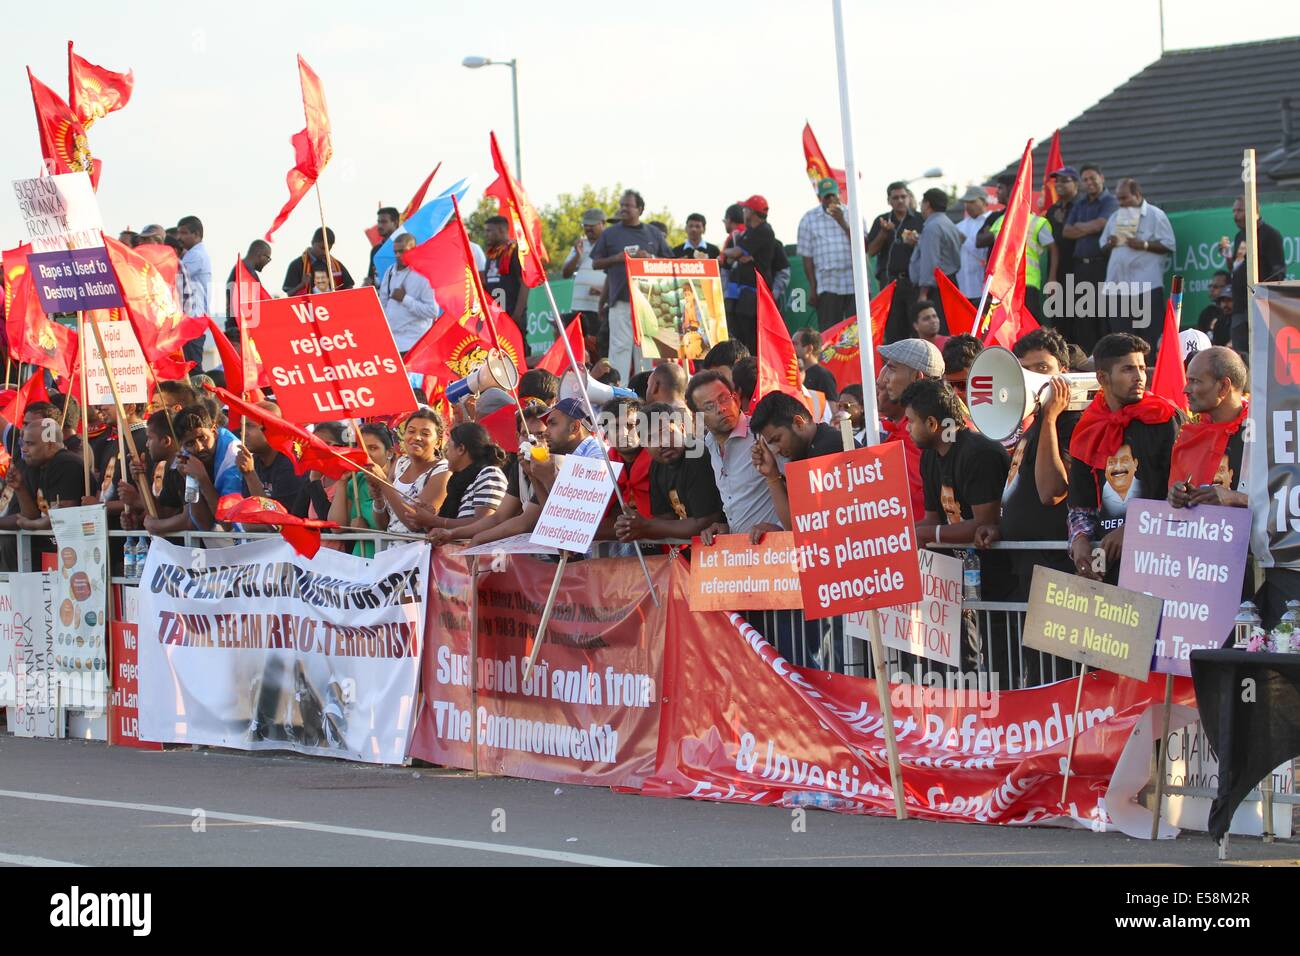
{"x":474,"y":63}
{"x":934,"y":172}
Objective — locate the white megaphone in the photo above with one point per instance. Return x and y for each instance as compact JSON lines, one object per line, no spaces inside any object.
{"x":597,"y":392}
{"x":497,"y":371}
{"x":1001,"y":394}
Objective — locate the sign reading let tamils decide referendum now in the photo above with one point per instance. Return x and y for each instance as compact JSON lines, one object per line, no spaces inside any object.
{"x":854,"y":530}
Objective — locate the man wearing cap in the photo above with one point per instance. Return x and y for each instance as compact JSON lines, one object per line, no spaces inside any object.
{"x":754,"y":253}
{"x":1067,"y":193}
{"x":970,"y":277}
{"x":695,"y":246}
{"x":937,"y":247}
{"x":906,"y":361}
{"x":828,"y":257}
{"x":588,"y":283}
{"x":639,"y":240}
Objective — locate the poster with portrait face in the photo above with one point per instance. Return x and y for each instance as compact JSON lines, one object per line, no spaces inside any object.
{"x":677,"y":306}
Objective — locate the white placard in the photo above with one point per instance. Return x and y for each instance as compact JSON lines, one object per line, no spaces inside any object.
{"x":59,"y":212}
{"x":125,"y":357}
{"x":576,"y":504}
{"x":36,"y":712}
{"x":515,"y":544}
{"x":930,"y":628}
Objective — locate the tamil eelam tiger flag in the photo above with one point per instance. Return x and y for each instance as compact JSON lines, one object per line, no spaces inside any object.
{"x":63,"y":137}
{"x":33,"y":336}
{"x":14,"y":402}
{"x":524,"y":225}
{"x":818,"y":168}
{"x":301,"y":534}
{"x":312,"y":146}
{"x":841,"y":350}
{"x":155,"y":315}
{"x":778,"y":366}
{"x":556,"y":359}
{"x":1006,"y":261}
{"x":94,"y":92}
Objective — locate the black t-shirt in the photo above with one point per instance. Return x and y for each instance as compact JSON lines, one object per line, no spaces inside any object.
{"x":503,"y":286}
{"x":892,"y":261}
{"x":1138,"y":469}
{"x":974,"y":472}
{"x":278,"y":480}
{"x":682,"y":252}
{"x":59,"y":481}
{"x":168,"y":485}
{"x":825,"y":441}
{"x":684,"y":489}
{"x":760,"y":244}
{"x":1272,"y":263}
{"x":1024,"y":516}
{"x":1065,"y":247}
{"x":816,"y":377}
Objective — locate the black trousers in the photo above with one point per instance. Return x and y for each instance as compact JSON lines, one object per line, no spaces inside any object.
{"x":833,"y":308}
{"x":1088,"y":323}
{"x":742,"y":322}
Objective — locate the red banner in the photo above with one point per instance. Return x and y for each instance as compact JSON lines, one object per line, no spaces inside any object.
{"x":124,"y":725}
{"x":589,"y":711}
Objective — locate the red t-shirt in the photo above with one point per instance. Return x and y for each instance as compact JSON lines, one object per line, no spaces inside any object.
{"x":897,"y":431}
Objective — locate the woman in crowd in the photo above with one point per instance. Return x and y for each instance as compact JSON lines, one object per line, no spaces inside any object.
{"x":418,"y":478}
{"x":477,"y":482}
{"x":354,"y":502}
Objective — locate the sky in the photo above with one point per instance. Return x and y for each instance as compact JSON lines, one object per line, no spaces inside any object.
{"x":696,"y":109}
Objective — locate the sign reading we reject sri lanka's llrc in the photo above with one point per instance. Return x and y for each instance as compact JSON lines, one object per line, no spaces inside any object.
{"x":331,"y":355}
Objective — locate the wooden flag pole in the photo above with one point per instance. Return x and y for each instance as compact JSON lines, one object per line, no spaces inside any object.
{"x":1074,"y":730}
{"x":146,"y":493}
{"x":325,"y":237}
{"x":85,"y":412}
{"x":546,"y":616}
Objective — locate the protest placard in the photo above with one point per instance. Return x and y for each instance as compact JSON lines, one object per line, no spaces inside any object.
{"x":1096,"y":624}
{"x":734,"y":575}
{"x":515,"y":544}
{"x":1193,"y":558}
{"x":68,"y":262}
{"x":81,"y":535}
{"x":331,"y":355}
{"x":576,"y":504}
{"x":35,"y":712}
{"x":124,"y":728}
{"x":125,"y":358}
{"x":930,"y":627}
{"x":678,"y":306}
{"x":853,"y":527}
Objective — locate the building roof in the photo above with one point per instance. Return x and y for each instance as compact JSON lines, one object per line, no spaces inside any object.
{"x":1180,"y":125}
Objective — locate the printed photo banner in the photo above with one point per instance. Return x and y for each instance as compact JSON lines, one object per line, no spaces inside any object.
{"x":257,"y":648}
{"x":80,"y":608}
{"x":677,"y":306}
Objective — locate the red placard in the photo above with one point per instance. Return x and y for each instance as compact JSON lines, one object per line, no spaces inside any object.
{"x":331,"y":356}
{"x":854,"y":529}
{"x":124,"y":720}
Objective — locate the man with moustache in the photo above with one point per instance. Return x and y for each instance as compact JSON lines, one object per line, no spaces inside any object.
{"x":1212,"y":443}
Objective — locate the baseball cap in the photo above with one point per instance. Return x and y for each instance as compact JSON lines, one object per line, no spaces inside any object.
{"x":915,"y":353}
{"x":756,"y":203}
{"x":826,"y":187}
{"x":974,"y":193}
{"x":593,"y":217}
{"x":572,"y":407}
{"x":1192,"y":341}
{"x":1069,"y":172}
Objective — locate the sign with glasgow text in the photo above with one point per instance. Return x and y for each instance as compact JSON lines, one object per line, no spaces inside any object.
{"x":1091,"y":623}
{"x":854,"y":529}
{"x":331,"y":356}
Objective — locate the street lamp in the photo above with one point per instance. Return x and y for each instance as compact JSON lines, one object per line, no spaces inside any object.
{"x":474,"y":63}
{"x":934,"y":172}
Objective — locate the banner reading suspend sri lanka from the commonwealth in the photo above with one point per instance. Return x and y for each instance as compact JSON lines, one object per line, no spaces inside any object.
{"x":1272,"y":435}
{"x":257,"y":648}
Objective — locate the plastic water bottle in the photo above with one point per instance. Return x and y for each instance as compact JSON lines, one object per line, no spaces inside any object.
{"x":141,"y":555}
{"x":130,"y":570}
{"x":970,"y":575}
{"x":815,"y":798}
{"x":191,"y":490}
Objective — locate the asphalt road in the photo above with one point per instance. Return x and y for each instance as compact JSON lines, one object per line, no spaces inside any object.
{"x":82,"y":803}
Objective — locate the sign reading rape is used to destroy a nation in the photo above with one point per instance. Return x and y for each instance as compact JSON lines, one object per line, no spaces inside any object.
{"x":1092,"y":623}
{"x":258,"y":648}
{"x":332,"y":356}
{"x":853,"y":526}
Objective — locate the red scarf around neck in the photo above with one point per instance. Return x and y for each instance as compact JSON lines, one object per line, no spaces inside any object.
{"x":1100,"y":432}
{"x":1200,"y":446}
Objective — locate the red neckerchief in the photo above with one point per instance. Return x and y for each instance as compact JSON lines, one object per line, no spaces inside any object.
{"x":1200,"y":446}
{"x":1100,"y":432}
{"x":503,"y":254}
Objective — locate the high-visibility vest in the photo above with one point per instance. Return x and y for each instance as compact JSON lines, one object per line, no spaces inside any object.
{"x":1033,"y":249}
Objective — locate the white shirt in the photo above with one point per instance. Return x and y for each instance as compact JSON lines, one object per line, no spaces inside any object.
{"x":970,"y":277}
{"x":1138,"y":265}
{"x":198,"y":265}
{"x":410,"y":318}
{"x":587,"y":282}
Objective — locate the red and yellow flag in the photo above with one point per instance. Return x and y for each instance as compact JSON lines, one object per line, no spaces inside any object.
{"x":63,"y":137}
{"x":33,"y":336}
{"x":1054,"y":162}
{"x":841,"y":348}
{"x":94,"y":92}
{"x":153,"y":311}
{"x":1006,"y":261}
{"x":301,"y":534}
{"x":525,"y":227}
{"x":306,"y":451}
{"x":778,"y":366}
{"x":312,"y":146}
{"x":818,"y":168}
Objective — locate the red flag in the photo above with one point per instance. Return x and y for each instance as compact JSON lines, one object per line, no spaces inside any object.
{"x":818,"y":168}
{"x":841,"y":347}
{"x":373,"y":236}
{"x":448,"y":351}
{"x":33,"y":336}
{"x":304,"y":449}
{"x":1054,"y":162}
{"x":957,"y":309}
{"x":302,"y":534}
{"x":1005,"y":261}
{"x":778,"y":366}
{"x":165,"y":260}
{"x":237,"y":379}
{"x":1169,"y":377}
{"x":556,"y":359}
{"x":63,"y":137}
{"x":312,"y":146}
{"x":1009,"y":320}
{"x":153,"y":311}
{"x":525,"y":227}
{"x":94,"y":92}
{"x":247,"y":293}
{"x":14,"y":402}
{"x":503,"y":426}
{"x":418,"y":199}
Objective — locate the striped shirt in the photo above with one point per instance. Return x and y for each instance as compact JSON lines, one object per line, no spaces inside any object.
{"x":485,"y":491}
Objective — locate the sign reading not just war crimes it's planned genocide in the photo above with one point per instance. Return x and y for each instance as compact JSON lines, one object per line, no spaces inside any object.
{"x":1091,"y":623}
{"x":854,"y":530}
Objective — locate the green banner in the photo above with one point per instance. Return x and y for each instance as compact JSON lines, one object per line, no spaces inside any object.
{"x":1197,"y":256}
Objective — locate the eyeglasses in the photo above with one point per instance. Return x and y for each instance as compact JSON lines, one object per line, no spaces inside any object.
{"x":712,"y":408}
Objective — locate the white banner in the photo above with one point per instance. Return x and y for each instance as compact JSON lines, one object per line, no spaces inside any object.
{"x":258,"y":648}
{"x":125,"y":358}
{"x":930,"y":628}
{"x":35,"y":712}
{"x":81,"y":535}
